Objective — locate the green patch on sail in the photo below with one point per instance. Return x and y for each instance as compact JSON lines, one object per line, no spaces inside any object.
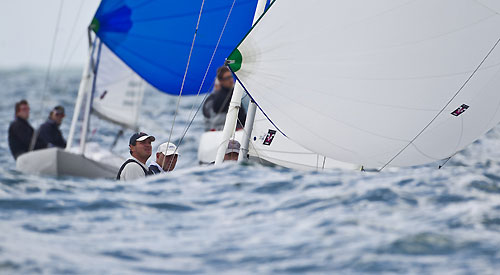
{"x":234,"y":60}
{"x":95,"y":25}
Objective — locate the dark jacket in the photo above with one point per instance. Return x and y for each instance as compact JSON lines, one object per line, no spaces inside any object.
{"x":218,"y":103}
{"x":20,"y":134}
{"x":154,"y":170}
{"x":50,"y":134}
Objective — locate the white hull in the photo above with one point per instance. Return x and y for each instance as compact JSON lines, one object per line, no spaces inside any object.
{"x":58,"y":162}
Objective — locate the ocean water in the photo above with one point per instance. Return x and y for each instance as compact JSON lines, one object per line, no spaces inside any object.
{"x":240,"y":219}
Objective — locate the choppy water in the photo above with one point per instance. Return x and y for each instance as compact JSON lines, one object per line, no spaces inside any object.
{"x":243,"y":219}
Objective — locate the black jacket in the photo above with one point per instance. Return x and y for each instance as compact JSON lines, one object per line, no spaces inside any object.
{"x":20,"y":134}
{"x":50,"y":134}
{"x":218,"y":102}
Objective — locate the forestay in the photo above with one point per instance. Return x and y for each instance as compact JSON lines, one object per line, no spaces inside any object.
{"x":119,"y":91}
{"x":376,"y":82}
{"x":154,"y":38}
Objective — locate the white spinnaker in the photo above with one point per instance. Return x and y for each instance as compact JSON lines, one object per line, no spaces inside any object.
{"x":360,"y":80}
{"x":119,"y":91}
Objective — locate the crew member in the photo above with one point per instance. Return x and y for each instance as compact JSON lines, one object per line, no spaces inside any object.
{"x":50,"y":132}
{"x":232,"y":151}
{"x":140,"y":151}
{"x":21,"y":132}
{"x":217,"y":104}
{"x":166,"y":158}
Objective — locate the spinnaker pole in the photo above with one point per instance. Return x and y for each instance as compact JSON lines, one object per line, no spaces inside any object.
{"x":235,"y":103}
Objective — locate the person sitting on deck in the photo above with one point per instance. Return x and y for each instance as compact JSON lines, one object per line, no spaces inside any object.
{"x":217,"y":104}
{"x":166,"y":159}
{"x":140,"y":151}
{"x":21,"y":132}
{"x":232,"y":151}
{"x":50,"y":132}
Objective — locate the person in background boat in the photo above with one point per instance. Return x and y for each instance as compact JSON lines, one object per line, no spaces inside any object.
{"x":166,"y":159}
{"x":232,"y":151}
{"x":50,"y":132}
{"x":140,"y":151}
{"x":217,"y":104}
{"x":21,"y":132}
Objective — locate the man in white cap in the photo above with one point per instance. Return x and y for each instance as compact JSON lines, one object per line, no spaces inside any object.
{"x":232,"y":151}
{"x":140,"y":151}
{"x":166,"y":158}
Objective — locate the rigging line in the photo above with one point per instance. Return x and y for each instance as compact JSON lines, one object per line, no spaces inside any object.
{"x":446,"y":161}
{"x":73,"y":28}
{"x":444,"y":107}
{"x":51,"y":58}
{"x":34,"y":137}
{"x":70,"y":57}
{"x":458,"y":144}
{"x":185,"y":72}
{"x":202,"y":82}
{"x":186,"y":130}
{"x":183,"y":80}
{"x":213,"y":55}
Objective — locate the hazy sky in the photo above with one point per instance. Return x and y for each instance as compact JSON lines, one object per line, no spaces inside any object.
{"x":27,"y":30}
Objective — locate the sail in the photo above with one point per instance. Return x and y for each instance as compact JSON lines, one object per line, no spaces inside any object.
{"x":154,"y":38}
{"x":373,"y":83}
{"x":118,"y":91}
{"x":268,"y":144}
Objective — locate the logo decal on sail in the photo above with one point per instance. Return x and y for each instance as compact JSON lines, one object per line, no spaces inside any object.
{"x":269,"y":138}
{"x":460,"y":110}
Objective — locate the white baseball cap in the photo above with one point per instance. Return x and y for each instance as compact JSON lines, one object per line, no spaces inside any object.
{"x":167,"y":149}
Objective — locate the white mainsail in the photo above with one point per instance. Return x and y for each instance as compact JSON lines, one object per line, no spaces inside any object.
{"x":376,"y":82}
{"x":119,"y":91}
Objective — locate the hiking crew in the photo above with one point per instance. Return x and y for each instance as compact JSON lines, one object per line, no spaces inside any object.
{"x":50,"y":132}
{"x":21,"y":132}
{"x":166,"y":159}
{"x":232,"y":151}
{"x":140,"y":151}
{"x":217,"y":104}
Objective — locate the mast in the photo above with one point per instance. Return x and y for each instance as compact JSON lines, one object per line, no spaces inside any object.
{"x":235,"y":104}
{"x":86,"y":76}
{"x":88,"y":107}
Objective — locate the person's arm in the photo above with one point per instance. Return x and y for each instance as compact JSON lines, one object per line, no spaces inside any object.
{"x":13,"y":143}
{"x":58,"y":139}
{"x":132,"y":171}
{"x":208,"y":107}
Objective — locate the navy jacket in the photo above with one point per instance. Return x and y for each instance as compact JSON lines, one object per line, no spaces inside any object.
{"x":20,"y":134}
{"x":50,"y":134}
{"x":218,"y":102}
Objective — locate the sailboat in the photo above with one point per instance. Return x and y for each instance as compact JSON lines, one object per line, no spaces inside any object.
{"x":171,"y":45}
{"x":117,"y":98}
{"x":377,"y":84}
